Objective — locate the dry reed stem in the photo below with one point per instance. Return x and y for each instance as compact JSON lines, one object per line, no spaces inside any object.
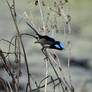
{"x":13,"y":14}
{"x":42,"y":18}
{"x":67,"y":19}
{"x":4,"y":85}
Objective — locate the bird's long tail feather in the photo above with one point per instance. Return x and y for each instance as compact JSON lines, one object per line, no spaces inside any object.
{"x":33,"y":28}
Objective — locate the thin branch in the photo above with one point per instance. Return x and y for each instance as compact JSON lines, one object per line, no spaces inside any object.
{"x":67,"y":19}
{"x":3,"y":84}
{"x":60,"y":81}
{"x":7,"y":41}
{"x":44,"y":85}
{"x":46,"y":61}
{"x":9,"y":86}
{"x":42,"y":18}
{"x":4,"y":61}
{"x":28,"y":35}
{"x":13,"y":14}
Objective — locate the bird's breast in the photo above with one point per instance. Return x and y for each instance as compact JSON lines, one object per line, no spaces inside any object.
{"x":44,"y":41}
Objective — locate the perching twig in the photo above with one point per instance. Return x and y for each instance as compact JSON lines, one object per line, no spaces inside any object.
{"x":46,"y":61}
{"x":63,"y":85}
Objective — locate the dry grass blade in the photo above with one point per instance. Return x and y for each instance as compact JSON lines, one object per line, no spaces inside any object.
{"x":4,"y":85}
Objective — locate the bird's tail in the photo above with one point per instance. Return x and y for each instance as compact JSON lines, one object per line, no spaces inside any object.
{"x":33,"y":28}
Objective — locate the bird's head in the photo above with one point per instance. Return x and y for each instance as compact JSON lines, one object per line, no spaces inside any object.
{"x":59,"y":45}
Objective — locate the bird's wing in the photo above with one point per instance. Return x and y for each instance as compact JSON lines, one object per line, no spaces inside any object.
{"x":49,"y":38}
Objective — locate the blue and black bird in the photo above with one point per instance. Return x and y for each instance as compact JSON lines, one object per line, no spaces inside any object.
{"x":46,"y":41}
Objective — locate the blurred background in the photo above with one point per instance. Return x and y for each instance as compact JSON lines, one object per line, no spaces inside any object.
{"x":81,"y":39}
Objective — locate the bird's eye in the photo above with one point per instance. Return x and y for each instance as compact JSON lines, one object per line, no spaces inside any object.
{"x":57,"y":46}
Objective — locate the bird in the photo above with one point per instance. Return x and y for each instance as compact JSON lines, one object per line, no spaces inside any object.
{"x":47,"y":41}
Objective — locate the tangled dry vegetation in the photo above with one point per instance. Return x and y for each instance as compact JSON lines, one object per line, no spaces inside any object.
{"x":19,"y":51}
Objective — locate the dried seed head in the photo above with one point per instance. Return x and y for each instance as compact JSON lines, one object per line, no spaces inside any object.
{"x":36,"y":2}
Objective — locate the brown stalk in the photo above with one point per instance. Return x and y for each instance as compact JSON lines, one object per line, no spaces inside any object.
{"x":3,"y":84}
{"x":44,"y":85}
{"x":4,"y":61}
{"x":13,"y":14}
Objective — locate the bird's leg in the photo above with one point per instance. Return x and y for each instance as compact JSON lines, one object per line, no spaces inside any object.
{"x":45,"y":53}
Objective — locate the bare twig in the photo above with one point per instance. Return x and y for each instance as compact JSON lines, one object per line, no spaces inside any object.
{"x":4,"y":61}
{"x":42,"y":18}
{"x":46,"y":61}
{"x":7,"y":41}
{"x":4,"y":85}
{"x":28,"y":35}
{"x":13,"y":14}
{"x":44,"y":85}
{"x":67,"y":19}
{"x":60,"y":80}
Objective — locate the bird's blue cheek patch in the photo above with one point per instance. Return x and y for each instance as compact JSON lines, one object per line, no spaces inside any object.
{"x":61,"y":44}
{"x":57,"y":46}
